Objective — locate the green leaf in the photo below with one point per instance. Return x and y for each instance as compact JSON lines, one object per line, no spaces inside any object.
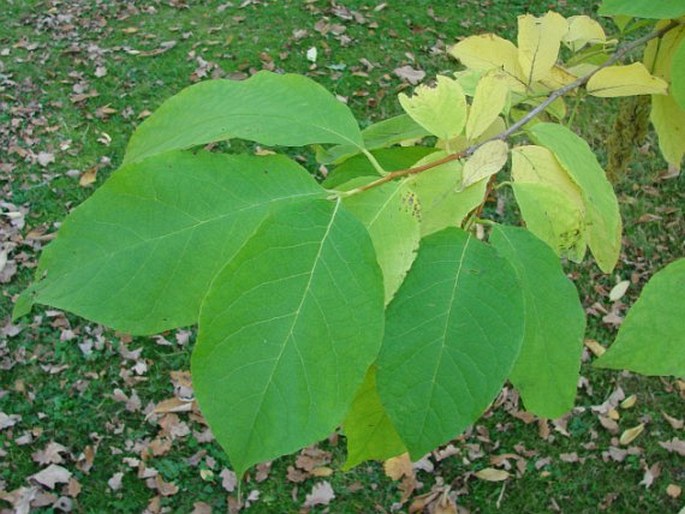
{"x":443,"y":202}
{"x":601,"y":204}
{"x":359,"y":166}
{"x":140,"y":254}
{"x":441,"y":109}
{"x":378,"y":135}
{"x":391,"y":214}
{"x":546,"y":371}
{"x":368,"y":429}
{"x":663,"y":9}
{"x":651,"y":340}
{"x":678,"y":75}
{"x":287,"y":332}
{"x":453,"y":332}
{"x":271,"y":109}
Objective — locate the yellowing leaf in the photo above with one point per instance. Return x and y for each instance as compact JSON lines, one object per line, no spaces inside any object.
{"x":487,"y":51}
{"x":628,"y":80}
{"x":485,"y":162}
{"x":597,"y":349}
{"x":538,"y":41}
{"x":667,"y":116}
{"x":558,"y":77}
{"x":628,"y":436}
{"x":581,"y":31}
{"x":489,"y":100}
{"x":441,"y":109}
{"x":398,"y":467}
{"x":551,"y":203}
{"x":492,"y":474}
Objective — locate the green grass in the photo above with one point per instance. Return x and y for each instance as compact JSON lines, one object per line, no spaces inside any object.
{"x":64,"y":395}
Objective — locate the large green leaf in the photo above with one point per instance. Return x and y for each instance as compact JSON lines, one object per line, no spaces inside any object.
{"x":453,"y":332}
{"x":661,"y":9}
{"x":288,"y":331}
{"x":368,"y":429}
{"x":390,"y":158}
{"x":601,"y":204}
{"x":443,"y":201}
{"x":289,"y":110}
{"x":546,"y":372}
{"x":391,"y":214}
{"x":378,"y":135}
{"x":651,"y":340}
{"x":140,"y":254}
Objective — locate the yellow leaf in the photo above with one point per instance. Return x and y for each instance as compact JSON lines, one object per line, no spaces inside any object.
{"x":581,"y":31}
{"x":558,"y":78}
{"x":492,"y":474}
{"x":674,"y":490}
{"x":441,"y":109}
{"x":485,"y":162}
{"x":488,"y":51}
{"x":489,"y":100}
{"x":628,"y":80}
{"x":619,"y":290}
{"x":628,"y":436}
{"x":89,"y":176}
{"x":667,"y":116}
{"x":398,"y":467}
{"x":538,"y":41}
{"x":629,"y":402}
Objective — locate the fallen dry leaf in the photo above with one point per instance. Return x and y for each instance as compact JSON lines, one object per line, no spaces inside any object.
{"x":398,"y":467}
{"x":410,"y":74}
{"x":52,"y":475}
{"x":596,"y":348}
{"x":88,"y":177}
{"x":492,"y":474}
{"x":114,"y":482}
{"x":676,"y":423}
{"x":674,"y":490}
{"x":51,"y":454}
{"x":629,"y":402}
{"x":629,"y":435}
{"x":651,"y":474}
{"x":619,"y":290}
{"x":229,"y":480}
{"x":674,"y":445}
{"x":322,"y":494}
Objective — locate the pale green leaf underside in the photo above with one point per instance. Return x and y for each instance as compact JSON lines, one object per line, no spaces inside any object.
{"x":661,"y":9}
{"x":287,"y":332}
{"x":140,"y":254}
{"x":271,"y":109}
{"x":603,"y":216}
{"x":453,"y":332}
{"x":391,"y":214}
{"x":368,"y":429}
{"x":546,"y":371}
{"x":651,"y":340}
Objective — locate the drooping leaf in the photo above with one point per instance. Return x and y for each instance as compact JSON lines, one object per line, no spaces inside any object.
{"x":443,"y":202}
{"x":601,"y":204}
{"x":551,"y":204}
{"x":651,"y":340}
{"x":453,"y":332}
{"x":486,"y":52}
{"x":440,"y":109}
{"x":378,"y":135}
{"x":287,"y":332}
{"x":583,"y":30}
{"x":628,"y":80}
{"x":140,"y":254}
{"x":663,"y":9}
{"x":538,"y":44}
{"x":485,"y":162}
{"x":271,"y":109}
{"x":391,"y":214}
{"x":489,"y":101}
{"x":667,"y":116}
{"x":546,"y":371}
{"x":359,"y":166}
{"x":368,"y":429}
{"x":678,"y":75}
